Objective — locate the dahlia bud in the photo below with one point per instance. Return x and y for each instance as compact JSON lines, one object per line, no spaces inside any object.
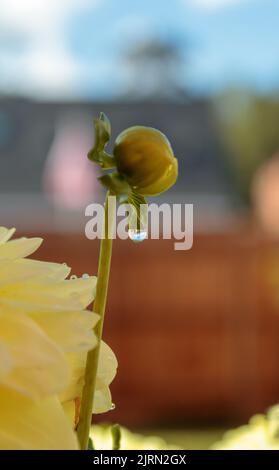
{"x":145,"y":159}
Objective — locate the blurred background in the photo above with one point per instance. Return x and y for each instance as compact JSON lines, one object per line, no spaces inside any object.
{"x":196,"y":333}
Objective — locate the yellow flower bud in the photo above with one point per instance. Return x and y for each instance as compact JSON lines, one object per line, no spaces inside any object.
{"x":145,"y":158}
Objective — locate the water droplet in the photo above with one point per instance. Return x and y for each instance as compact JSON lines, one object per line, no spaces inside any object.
{"x":85,"y":276}
{"x":137,"y":235}
{"x":73,"y":277}
{"x":112,"y":406}
{"x":64,"y":264}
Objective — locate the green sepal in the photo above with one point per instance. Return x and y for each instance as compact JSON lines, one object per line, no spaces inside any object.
{"x":116,"y":184}
{"x":102,"y":136}
{"x":136,"y":200}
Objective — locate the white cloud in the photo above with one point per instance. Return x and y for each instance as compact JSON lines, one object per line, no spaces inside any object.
{"x":212,"y":4}
{"x":34,"y":57}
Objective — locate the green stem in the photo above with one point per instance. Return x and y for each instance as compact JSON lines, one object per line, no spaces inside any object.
{"x":93,"y":356}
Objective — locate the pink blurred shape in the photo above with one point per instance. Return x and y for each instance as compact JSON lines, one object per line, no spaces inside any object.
{"x":69,"y":178}
{"x":265,"y":194}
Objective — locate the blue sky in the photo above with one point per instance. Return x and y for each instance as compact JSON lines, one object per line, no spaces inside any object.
{"x":74,"y":48}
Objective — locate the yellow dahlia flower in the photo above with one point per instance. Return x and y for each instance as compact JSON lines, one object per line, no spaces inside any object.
{"x":261,"y":433}
{"x":44,"y":326}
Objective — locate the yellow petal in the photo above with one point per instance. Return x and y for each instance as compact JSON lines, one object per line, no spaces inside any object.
{"x":19,"y":248}
{"x":6,"y":234}
{"x":73,"y":331}
{"x":69,"y":408}
{"x":102,"y":399}
{"x":54,"y":271}
{"x":13,"y":271}
{"x":76,"y":363}
{"x":69,"y":294}
{"x":39,"y":366}
{"x":30,"y":425}
{"x":107,"y":366}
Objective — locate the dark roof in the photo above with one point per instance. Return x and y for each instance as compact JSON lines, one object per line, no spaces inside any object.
{"x":27,"y":130}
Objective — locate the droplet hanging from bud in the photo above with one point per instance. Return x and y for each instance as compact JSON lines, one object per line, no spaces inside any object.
{"x":137,"y":235}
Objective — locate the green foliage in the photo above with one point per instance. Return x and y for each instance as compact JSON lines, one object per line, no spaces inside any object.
{"x":250,"y":133}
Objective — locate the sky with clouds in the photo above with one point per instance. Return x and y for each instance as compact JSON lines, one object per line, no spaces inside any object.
{"x":75,"y":48}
